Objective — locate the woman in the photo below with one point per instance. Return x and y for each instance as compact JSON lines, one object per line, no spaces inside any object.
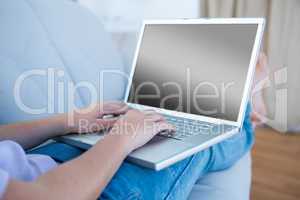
{"x":89,"y":175}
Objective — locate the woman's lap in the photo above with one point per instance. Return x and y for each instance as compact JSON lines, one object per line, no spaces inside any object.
{"x":175,"y":182}
{"x":134,"y":182}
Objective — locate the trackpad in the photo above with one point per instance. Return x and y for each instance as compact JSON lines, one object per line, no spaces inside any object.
{"x":159,"y":149}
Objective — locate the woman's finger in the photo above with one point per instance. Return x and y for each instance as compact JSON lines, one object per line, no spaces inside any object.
{"x":115,"y":108}
{"x":164,"y":126}
{"x":149,"y":112}
{"x":155,"y":117}
{"x":106,"y":123}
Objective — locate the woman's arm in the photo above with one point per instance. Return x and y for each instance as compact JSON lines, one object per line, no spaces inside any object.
{"x":30,"y":134}
{"x":81,"y":178}
{"x":33,"y":133}
{"x":86,"y":176}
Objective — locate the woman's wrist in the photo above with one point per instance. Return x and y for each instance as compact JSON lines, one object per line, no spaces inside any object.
{"x":116,"y":143}
{"x":122,"y":140}
{"x":61,"y":121}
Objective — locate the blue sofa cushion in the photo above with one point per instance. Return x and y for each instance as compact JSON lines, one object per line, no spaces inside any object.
{"x":58,"y":34}
{"x":40,"y":34}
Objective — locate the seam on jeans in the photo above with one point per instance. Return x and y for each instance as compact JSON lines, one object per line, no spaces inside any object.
{"x":172,"y":172}
{"x":178,"y":178}
{"x":134,"y":196}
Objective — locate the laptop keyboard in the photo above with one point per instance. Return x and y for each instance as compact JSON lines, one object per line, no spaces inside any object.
{"x":187,"y":127}
{"x":184,"y":128}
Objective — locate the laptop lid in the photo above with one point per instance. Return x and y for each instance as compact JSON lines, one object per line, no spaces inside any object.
{"x":196,"y":68}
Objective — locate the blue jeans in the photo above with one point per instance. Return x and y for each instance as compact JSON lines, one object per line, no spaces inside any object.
{"x":175,"y":182}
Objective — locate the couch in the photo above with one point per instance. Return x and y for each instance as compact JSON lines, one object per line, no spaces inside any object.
{"x":63,"y":36}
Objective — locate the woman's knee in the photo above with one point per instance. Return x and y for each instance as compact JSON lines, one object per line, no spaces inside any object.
{"x":226,"y":153}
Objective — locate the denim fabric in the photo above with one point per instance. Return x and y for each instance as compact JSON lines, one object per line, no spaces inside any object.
{"x":60,"y":152}
{"x":85,"y":45}
{"x":175,"y":182}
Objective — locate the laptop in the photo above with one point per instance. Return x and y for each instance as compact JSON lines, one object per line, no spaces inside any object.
{"x":198,"y":74}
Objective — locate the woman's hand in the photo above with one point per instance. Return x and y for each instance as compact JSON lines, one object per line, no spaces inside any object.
{"x":99,"y":163}
{"x":85,"y":177}
{"x":136,"y":127}
{"x":92,"y":118}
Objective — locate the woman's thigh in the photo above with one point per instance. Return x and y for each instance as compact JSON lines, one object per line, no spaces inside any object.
{"x":135,"y":182}
{"x":176,"y":182}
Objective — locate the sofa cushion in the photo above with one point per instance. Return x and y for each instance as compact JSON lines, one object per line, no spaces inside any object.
{"x":229,"y":184}
{"x":31,"y":38}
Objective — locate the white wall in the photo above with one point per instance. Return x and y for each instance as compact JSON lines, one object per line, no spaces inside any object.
{"x":123,"y":18}
{"x":125,"y":14}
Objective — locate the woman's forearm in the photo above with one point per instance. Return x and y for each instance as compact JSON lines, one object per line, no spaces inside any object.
{"x":82,"y":178}
{"x":86,"y":176}
{"x":30,"y":134}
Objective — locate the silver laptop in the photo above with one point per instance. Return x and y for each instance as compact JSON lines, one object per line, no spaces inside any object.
{"x":198,"y":74}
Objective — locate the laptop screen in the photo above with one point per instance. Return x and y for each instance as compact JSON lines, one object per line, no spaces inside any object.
{"x":193,"y":68}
